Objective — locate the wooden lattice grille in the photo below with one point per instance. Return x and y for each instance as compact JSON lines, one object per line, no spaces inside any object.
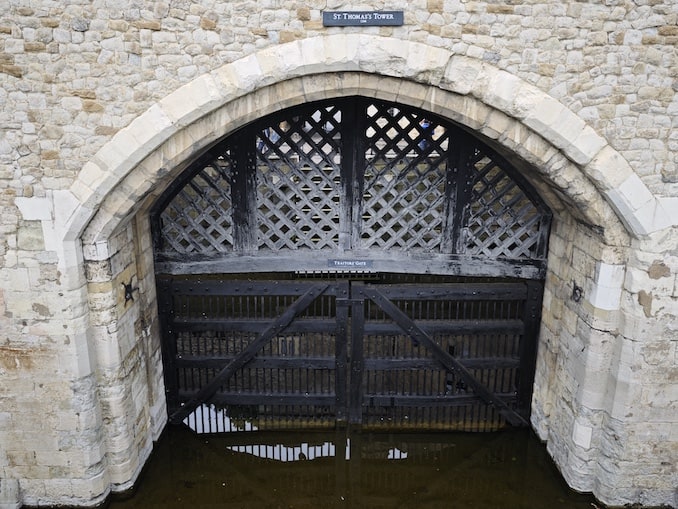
{"x":404,"y":183}
{"x":357,"y":178}
{"x":298,"y":175}
{"x":198,"y":219}
{"x":502,"y":221}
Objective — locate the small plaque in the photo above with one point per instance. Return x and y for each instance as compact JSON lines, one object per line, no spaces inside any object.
{"x":362,"y":18}
{"x":349,"y":264}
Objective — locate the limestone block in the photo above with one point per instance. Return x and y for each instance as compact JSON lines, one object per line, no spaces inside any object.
{"x":638,"y":208}
{"x":502,"y":90}
{"x":323,"y":86}
{"x":106,"y":349}
{"x":382,"y":55}
{"x":97,"y":251}
{"x":287,"y":59}
{"x":473,"y":113}
{"x":654,"y":216}
{"x":10,"y":494}
{"x":463,"y":75}
{"x":426,"y":63}
{"x":522,"y":140}
{"x":670,"y":205}
{"x":34,"y":208}
{"x":409,"y":92}
{"x":622,"y":394}
{"x":495,"y":124}
{"x":89,"y":187}
{"x":316,"y":55}
{"x":606,"y":289}
{"x":130,"y":145}
{"x":388,"y":88}
{"x":122,"y":202}
{"x":120,"y":439}
{"x":585,"y":147}
{"x":30,"y":237}
{"x":638,"y":280}
{"x":565,"y":130}
{"x":276,"y":97}
{"x":192,"y":101}
{"x":608,"y":169}
{"x":342,"y":49}
{"x":16,"y":279}
{"x":123,"y":471}
{"x":239,"y":77}
{"x":158,"y":412}
{"x":94,"y":489}
{"x":581,"y":434}
{"x":103,"y":223}
{"x":69,"y":217}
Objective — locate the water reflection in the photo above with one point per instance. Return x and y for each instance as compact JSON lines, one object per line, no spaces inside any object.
{"x":347,"y":469}
{"x":207,"y":419}
{"x":210,"y":419}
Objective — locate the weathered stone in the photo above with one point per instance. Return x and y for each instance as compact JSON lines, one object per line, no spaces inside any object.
{"x":30,"y":236}
{"x":102,"y":108}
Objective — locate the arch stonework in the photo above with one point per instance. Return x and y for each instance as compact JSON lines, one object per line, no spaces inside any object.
{"x":572,"y":157}
{"x":594,"y":193}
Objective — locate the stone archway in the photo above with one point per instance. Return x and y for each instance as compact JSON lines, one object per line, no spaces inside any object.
{"x":594,"y":193}
{"x":573,"y":159}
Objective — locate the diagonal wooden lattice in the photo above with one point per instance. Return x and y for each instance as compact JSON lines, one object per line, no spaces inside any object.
{"x":353,"y":174}
{"x":298,"y":182}
{"x":198,"y":219}
{"x":502,"y":221}
{"x":404,"y":185}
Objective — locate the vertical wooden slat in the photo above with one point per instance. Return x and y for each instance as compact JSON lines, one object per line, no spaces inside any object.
{"x":357,"y":357}
{"x":341,"y":353}
{"x":243,"y":194}
{"x":528,"y":345}
{"x":169,"y":340}
{"x":457,"y":192}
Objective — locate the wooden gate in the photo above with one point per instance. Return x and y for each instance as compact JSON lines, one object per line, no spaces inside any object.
{"x":311,"y":353}
{"x":339,"y":191}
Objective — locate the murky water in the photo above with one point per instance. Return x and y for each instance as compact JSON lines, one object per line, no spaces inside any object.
{"x":508,"y":469}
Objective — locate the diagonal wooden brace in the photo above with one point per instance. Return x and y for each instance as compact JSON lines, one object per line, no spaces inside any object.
{"x":449,"y":362}
{"x":275,"y":328}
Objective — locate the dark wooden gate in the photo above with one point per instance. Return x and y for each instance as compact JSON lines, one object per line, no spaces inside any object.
{"x":311,"y":353}
{"x":356,"y":195}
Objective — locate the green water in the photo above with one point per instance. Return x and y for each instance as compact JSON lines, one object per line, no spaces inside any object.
{"x":508,"y":469}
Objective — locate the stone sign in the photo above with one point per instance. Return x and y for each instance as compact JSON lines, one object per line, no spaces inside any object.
{"x":362,"y":18}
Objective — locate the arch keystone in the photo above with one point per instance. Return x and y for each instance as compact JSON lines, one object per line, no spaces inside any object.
{"x":339,"y":51}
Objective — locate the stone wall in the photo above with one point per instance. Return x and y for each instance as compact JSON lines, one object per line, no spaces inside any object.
{"x":103,"y":103}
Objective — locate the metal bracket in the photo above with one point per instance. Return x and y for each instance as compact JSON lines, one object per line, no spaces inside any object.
{"x":348,"y":302}
{"x":129,"y":290}
{"x":577,"y":292}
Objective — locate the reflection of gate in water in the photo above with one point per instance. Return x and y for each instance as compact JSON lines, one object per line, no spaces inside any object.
{"x":375,"y":470}
{"x":310,"y":353}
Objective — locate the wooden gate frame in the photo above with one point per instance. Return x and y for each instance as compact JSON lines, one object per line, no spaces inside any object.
{"x":361,"y":182}
{"x":352,"y":179}
{"x":349,"y":386}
